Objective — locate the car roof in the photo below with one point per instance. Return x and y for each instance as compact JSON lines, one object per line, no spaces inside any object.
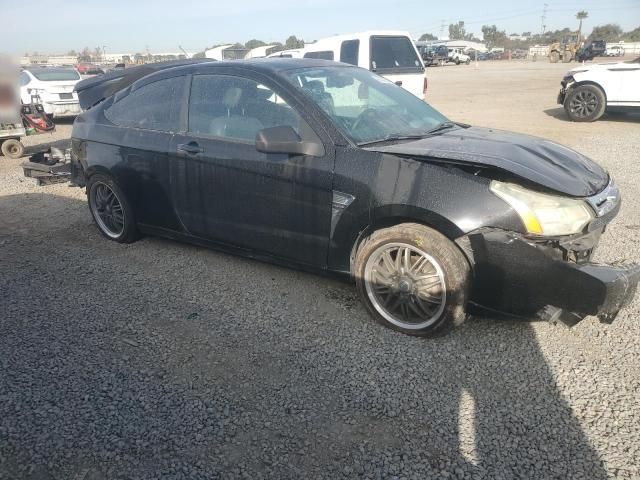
{"x":93,"y":90}
{"x":268,"y":65}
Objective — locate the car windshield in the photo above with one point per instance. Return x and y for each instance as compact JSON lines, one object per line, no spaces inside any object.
{"x":366,"y":107}
{"x":55,"y":74}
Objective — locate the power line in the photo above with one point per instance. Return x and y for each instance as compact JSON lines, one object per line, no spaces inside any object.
{"x":544,"y":17}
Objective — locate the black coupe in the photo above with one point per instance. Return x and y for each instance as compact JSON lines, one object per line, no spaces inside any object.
{"x":330,"y":167}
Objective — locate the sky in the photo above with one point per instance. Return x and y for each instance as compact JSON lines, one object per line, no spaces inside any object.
{"x":162,"y":25}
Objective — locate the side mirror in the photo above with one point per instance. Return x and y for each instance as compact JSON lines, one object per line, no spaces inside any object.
{"x":284,"y":139}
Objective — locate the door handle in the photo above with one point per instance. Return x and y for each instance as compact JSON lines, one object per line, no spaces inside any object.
{"x":399,"y":83}
{"x":191,"y":148}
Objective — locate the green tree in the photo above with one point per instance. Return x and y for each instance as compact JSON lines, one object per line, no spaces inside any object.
{"x":581,"y":15}
{"x":632,"y":36}
{"x":457,"y":31}
{"x":426,"y":37}
{"x":72,"y":53}
{"x":494,"y":37}
{"x":254,"y":43}
{"x":609,"y":32}
{"x":293,"y":42}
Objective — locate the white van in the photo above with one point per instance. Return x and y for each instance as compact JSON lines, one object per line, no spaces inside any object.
{"x":391,"y":54}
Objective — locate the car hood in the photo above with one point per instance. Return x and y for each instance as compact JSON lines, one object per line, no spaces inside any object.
{"x":536,"y":160}
{"x":605,"y":66}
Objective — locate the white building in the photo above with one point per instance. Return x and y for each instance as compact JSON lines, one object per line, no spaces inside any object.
{"x":57,"y":60}
{"x":466,"y":45}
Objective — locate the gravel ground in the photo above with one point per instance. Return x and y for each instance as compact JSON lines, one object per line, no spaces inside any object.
{"x":164,"y":360}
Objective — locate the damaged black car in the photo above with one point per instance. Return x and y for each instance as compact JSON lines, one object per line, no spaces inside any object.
{"x":329,"y":167}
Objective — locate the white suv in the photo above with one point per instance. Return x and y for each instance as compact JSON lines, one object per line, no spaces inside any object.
{"x":589,"y":90}
{"x":53,"y":88}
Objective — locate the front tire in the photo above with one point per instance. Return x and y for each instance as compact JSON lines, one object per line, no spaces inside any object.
{"x":585,"y":103}
{"x":111,"y":210}
{"x":413,"y":279}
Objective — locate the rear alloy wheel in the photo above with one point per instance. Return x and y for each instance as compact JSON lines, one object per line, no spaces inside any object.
{"x":413,"y":279}
{"x":110,"y":210}
{"x":585,"y":103}
{"x":12,"y":148}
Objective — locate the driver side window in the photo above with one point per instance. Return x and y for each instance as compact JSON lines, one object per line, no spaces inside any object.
{"x":237,"y":108}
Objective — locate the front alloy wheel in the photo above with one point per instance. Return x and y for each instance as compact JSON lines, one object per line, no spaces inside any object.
{"x":405,"y":285}
{"x":412,"y":279}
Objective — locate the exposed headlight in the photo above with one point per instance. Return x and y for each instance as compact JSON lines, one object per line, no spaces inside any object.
{"x":544,"y":214}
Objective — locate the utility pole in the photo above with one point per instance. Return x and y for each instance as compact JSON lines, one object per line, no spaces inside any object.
{"x":442,"y":25}
{"x":544,"y":17}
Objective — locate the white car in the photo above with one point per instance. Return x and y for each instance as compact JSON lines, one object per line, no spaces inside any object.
{"x":589,"y":90}
{"x":614,"y":51}
{"x":53,"y":88}
{"x":390,"y":54}
{"x":457,"y":56}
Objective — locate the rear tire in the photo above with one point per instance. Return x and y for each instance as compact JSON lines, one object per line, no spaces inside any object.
{"x":413,"y":279}
{"x":110,"y":209}
{"x":12,"y":148}
{"x":585,"y":103}
{"x":554,"y":57}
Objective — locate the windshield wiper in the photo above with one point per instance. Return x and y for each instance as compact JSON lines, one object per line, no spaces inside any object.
{"x":439,"y":128}
{"x":392,"y":138}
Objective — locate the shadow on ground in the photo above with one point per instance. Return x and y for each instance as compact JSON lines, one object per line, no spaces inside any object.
{"x":160,"y":359}
{"x":609,"y":116}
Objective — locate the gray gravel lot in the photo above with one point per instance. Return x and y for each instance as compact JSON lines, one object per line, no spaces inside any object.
{"x":165,"y":360}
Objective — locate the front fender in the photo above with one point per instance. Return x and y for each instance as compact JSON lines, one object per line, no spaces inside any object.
{"x":389,"y":189}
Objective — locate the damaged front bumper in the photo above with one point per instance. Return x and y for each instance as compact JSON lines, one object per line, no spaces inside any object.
{"x":552,"y":279}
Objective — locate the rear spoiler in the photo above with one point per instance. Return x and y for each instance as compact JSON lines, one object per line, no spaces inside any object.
{"x":92,"y":91}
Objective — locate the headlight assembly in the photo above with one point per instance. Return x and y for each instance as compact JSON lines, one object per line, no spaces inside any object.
{"x":542,"y":213}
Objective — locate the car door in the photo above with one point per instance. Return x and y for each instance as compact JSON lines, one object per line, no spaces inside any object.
{"x":137,"y":136}
{"x":627,"y":81}
{"x":224,"y":189}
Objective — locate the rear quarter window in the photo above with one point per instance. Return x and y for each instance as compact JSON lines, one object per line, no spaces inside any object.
{"x":394,"y":54}
{"x":349,"y":51}
{"x":155,"y":106}
{"x":323,"y":55}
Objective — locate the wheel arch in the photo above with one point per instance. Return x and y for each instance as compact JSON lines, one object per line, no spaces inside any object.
{"x":392,"y":215}
{"x":580,"y":83}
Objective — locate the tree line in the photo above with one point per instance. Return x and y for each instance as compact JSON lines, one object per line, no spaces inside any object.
{"x":494,"y":37}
